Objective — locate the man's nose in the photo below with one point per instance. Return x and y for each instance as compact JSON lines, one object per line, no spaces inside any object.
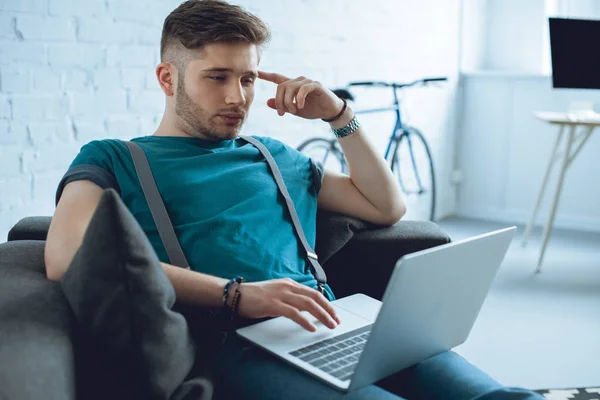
{"x":235,"y":95}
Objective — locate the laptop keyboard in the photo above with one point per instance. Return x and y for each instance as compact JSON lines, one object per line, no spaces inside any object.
{"x":338,"y":356}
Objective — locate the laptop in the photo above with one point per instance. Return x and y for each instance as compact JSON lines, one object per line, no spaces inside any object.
{"x":430,"y":305}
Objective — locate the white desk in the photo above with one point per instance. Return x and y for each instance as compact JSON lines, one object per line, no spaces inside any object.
{"x":574,"y":142}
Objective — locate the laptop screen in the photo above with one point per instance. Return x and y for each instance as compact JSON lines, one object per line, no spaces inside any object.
{"x":574,"y":45}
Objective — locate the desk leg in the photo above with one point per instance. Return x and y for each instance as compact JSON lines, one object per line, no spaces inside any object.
{"x":550,"y":222}
{"x":543,"y":188}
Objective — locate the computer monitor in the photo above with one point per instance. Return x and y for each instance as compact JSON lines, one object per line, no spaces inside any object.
{"x":575,"y":53}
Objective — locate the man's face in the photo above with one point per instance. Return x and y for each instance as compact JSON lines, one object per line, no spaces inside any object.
{"x":214,"y":94}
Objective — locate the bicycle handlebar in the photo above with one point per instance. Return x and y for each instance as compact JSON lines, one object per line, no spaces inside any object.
{"x":440,"y":79}
{"x":398,"y":85}
{"x":368,"y":84}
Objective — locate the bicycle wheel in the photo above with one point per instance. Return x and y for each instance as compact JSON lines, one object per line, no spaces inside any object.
{"x":326,"y":151}
{"x":412,"y":165}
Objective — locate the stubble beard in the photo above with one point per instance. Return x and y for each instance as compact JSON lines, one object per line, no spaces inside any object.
{"x":196,"y":121}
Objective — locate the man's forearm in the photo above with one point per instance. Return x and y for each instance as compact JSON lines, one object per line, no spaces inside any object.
{"x":195,"y":288}
{"x":369,"y":171}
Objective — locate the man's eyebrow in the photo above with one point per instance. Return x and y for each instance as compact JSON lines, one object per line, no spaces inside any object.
{"x":253,"y":73}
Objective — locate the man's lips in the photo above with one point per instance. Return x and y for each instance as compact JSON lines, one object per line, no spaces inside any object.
{"x":232,"y":118}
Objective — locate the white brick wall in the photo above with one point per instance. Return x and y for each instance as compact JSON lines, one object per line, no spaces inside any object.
{"x":35,"y":27}
{"x":77,"y":8}
{"x":72,"y":71}
{"x":24,"y":6}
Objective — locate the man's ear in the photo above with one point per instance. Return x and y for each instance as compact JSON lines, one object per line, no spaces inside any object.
{"x":166,"y":74}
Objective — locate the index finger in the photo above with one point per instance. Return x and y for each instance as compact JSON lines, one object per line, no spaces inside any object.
{"x":272,"y":77}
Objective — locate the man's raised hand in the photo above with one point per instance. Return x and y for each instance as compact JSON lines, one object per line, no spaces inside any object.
{"x":302,"y":97}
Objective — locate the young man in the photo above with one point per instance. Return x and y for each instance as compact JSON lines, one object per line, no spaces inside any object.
{"x":224,"y":203}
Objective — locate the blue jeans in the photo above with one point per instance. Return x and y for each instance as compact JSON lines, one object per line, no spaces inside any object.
{"x":244,"y":371}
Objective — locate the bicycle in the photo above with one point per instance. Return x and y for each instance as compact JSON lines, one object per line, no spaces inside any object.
{"x":415,"y":174}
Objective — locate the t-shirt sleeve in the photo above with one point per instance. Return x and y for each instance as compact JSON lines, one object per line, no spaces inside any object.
{"x":318,"y":172}
{"x":93,"y":163}
{"x":311,"y":170}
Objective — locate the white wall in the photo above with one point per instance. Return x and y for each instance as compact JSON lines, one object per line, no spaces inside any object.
{"x":502,"y":149}
{"x":514,"y":35}
{"x":505,"y":35}
{"x":503,"y":152}
{"x":72,"y":71}
{"x":473,"y":25}
{"x":587,"y":9}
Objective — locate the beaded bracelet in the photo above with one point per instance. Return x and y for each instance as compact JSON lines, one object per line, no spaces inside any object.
{"x":226,"y":291}
{"x":236,"y":301}
{"x":237,"y":295}
{"x":238,"y":280}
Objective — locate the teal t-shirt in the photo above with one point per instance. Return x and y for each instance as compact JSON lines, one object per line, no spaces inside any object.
{"x":222,"y":199}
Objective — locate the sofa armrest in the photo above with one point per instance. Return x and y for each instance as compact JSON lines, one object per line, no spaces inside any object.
{"x":30,"y":228}
{"x":366,"y":262}
{"x":358,"y":257}
{"x":37,"y":355}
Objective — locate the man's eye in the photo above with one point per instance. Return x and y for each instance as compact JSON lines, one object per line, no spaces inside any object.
{"x":217,"y":78}
{"x":249,"y":80}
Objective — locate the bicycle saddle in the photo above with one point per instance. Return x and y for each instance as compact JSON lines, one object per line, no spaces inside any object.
{"x":343,"y":94}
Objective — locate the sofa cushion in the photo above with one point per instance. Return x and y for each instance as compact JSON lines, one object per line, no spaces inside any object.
{"x":36,"y":329}
{"x":122,"y":298}
{"x":24,"y":255}
{"x":366,"y":263}
{"x":335,"y":230}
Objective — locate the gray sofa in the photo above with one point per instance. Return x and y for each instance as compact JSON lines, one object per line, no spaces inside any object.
{"x":40,"y":357}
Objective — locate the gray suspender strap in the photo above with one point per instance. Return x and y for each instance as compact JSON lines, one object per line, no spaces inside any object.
{"x":165,"y":226}
{"x":157,"y":207}
{"x":310,"y":254}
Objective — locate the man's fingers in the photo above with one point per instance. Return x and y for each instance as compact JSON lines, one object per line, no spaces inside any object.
{"x":301,"y":97}
{"x":287,"y":91}
{"x":303,"y":92}
{"x":291,"y":93}
{"x":305,"y":303}
{"x":319,"y":299}
{"x":279,"y":97}
{"x":271,"y":103}
{"x":295,"y":315}
{"x":288,"y":99}
{"x":272,"y":77}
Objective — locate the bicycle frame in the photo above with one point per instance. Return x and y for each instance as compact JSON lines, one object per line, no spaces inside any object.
{"x":397,"y":126}
{"x":399,"y":133}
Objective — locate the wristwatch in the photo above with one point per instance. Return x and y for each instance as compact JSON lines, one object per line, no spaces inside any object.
{"x":348,"y":129}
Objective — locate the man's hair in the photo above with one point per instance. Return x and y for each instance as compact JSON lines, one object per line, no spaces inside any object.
{"x":196,"y":23}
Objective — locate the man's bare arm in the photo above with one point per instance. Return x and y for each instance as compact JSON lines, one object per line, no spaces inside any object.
{"x":370,"y":192}
{"x":196,"y":288}
{"x":279,"y":297}
{"x":71,"y":218}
